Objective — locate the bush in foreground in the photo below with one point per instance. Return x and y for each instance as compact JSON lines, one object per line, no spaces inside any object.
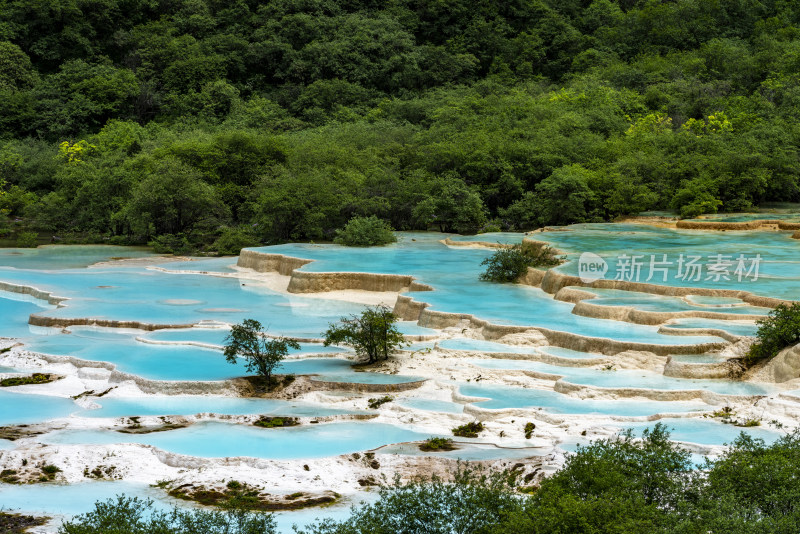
{"x":131,"y":515}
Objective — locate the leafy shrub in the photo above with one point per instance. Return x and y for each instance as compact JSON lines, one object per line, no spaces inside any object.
{"x":27,"y":239}
{"x":469,"y":430}
{"x":437,"y":444}
{"x":233,"y":240}
{"x":131,"y":515}
{"x":51,"y":470}
{"x":377,"y":402}
{"x":365,"y":232}
{"x":171,"y":244}
{"x":35,"y":378}
{"x":508,"y":264}
{"x":529,"y":428}
{"x":276,"y":422}
{"x":780,"y":329}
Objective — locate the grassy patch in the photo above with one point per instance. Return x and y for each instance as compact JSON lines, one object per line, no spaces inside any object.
{"x":378,"y":401}
{"x":242,"y":496}
{"x":9,"y":476}
{"x":749,"y":423}
{"x":437,"y":444}
{"x":276,"y":422}
{"x":17,"y":523}
{"x":469,"y":430}
{"x":35,"y":378}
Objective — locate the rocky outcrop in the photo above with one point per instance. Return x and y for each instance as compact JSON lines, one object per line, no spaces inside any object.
{"x":269,"y":263}
{"x":782,"y":368}
{"x":474,"y":244}
{"x":63,"y":322}
{"x":313,"y":282}
{"x":716,"y":370}
{"x":32,"y":291}
{"x":649,"y":317}
{"x":320,"y":282}
{"x":553,"y":281}
{"x":760,"y":224}
{"x":366,"y":388}
{"x":589,"y":392}
{"x":406,"y":309}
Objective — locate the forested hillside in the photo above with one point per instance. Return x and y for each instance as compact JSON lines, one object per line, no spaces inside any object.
{"x":186,"y":120}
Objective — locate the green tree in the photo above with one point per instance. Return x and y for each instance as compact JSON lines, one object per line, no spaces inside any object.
{"x":171,"y":199}
{"x":565,"y":196}
{"x":473,"y":502}
{"x":373,"y":334}
{"x":262,"y":353}
{"x":509,"y":263}
{"x":16,"y":71}
{"x":779,"y":330}
{"x":452,"y":206}
{"x":132,"y":515}
{"x":365,"y":232}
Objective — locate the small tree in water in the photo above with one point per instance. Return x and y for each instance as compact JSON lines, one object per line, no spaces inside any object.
{"x":509,"y":263}
{"x":373,"y":334}
{"x":262,"y":353}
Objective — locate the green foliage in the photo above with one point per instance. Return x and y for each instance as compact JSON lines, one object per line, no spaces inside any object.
{"x":617,"y":485}
{"x":275,"y":422}
{"x":437,"y":444}
{"x":468,"y":430}
{"x":523,"y":113}
{"x":379,"y":401}
{"x":171,"y":244}
{"x":509,"y":263}
{"x":529,"y":428}
{"x":262,"y":354}
{"x":233,"y":240}
{"x":131,"y":515}
{"x":365,"y":232}
{"x":373,"y":334}
{"x":474,"y":502}
{"x":35,"y":378}
{"x":27,"y":239}
{"x":622,"y":484}
{"x":780,"y":329}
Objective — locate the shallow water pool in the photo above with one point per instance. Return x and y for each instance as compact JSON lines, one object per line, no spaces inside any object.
{"x":627,"y":378}
{"x":194,"y":404}
{"x":215,"y":440}
{"x":19,"y":408}
{"x":500,"y":397}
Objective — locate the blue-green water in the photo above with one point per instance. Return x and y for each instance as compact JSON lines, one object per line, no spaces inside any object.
{"x":25,"y":408}
{"x":625,"y":378}
{"x":778,"y":273}
{"x":216,"y":440}
{"x":192,"y":404}
{"x":735,"y":328}
{"x":500,"y":397}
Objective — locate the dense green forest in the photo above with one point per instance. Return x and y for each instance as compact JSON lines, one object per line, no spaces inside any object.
{"x":192,"y":122}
